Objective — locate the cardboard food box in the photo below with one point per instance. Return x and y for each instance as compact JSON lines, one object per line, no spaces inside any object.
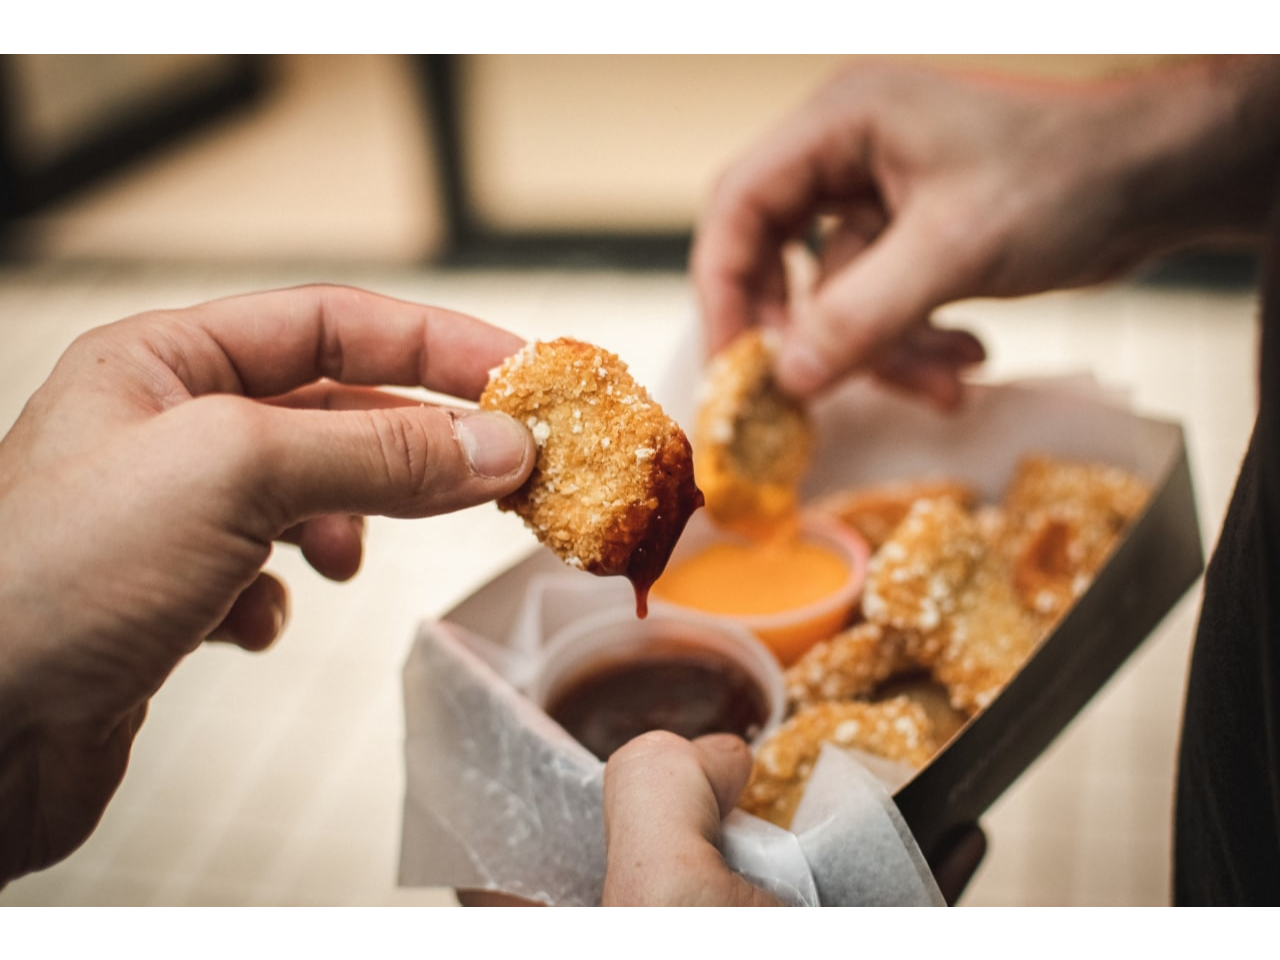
{"x":459,"y":796}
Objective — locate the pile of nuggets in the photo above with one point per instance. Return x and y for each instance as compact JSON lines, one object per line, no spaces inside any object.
{"x":958,"y":595}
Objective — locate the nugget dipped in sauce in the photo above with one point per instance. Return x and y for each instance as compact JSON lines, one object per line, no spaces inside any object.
{"x":613,"y":486}
{"x":752,"y":444}
{"x":791,"y":579}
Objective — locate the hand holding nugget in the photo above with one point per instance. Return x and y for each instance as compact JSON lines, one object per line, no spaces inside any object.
{"x":144,"y":484}
{"x":933,"y":187}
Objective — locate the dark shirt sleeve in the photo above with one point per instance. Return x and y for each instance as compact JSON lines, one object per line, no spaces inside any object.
{"x":1227,"y":822}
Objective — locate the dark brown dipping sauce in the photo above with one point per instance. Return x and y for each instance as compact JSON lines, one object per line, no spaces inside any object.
{"x":678,"y":498}
{"x":690,"y":693}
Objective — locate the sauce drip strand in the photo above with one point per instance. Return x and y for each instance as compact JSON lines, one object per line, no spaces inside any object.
{"x":650,"y":556}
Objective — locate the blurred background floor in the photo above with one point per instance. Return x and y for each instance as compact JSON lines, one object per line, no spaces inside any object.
{"x":278,"y":778}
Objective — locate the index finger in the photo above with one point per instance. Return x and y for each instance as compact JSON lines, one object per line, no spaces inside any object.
{"x":768,"y":198}
{"x":266,"y":344}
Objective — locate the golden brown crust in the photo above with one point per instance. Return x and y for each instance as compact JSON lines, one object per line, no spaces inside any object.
{"x":613,"y":485}
{"x":960,"y":590}
{"x":897,"y":729}
{"x":875,"y":511}
{"x":1063,"y":519}
{"x":914,"y":581}
{"x":752,"y":444}
{"x":853,"y":664}
{"x":938,"y":580}
{"x":987,"y":640}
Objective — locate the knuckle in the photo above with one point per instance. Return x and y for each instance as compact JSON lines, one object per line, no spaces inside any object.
{"x":404,"y":450}
{"x":332,"y":301}
{"x":235,"y":426}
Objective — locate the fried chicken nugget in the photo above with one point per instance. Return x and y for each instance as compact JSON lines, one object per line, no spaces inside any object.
{"x":613,"y":484}
{"x":1063,"y":520}
{"x":752,"y":445}
{"x":915,"y":579}
{"x":897,"y":729}
{"x":937,"y":581}
{"x":987,"y":640}
{"x":876,"y":511}
{"x":852,"y":664}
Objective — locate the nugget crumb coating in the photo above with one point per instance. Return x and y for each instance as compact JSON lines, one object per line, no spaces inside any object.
{"x":1064,"y":520}
{"x":612,"y":486}
{"x":897,"y":729}
{"x":752,"y":445}
{"x":850,"y":665}
{"x":875,"y":512}
{"x":914,"y":581}
{"x":938,"y":581}
{"x":987,"y":640}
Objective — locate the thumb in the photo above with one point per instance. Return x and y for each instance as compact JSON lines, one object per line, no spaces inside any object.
{"x":664,"y":799}
{"x":401,"y":461}
{"x":867,"y":306}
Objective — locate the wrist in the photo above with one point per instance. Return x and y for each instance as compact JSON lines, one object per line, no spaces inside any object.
{"x":16,"y":780}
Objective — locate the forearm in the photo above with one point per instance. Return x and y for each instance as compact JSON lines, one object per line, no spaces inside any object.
{"x":1195,"y":150}
{"x":16,"y":782}
{"x":20,"y":842}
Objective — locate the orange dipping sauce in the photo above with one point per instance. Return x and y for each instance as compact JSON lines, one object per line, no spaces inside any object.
{"x":754,"y":579}
{"x":792,"y":589}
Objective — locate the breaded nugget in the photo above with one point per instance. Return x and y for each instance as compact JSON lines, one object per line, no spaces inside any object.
{"x":850,"y":665}
{"x":938,"y":582}
{"x":752,"y":445}
{"x":986,"y":640}
{"x":613,"y":485}
{"x":915,"y":579}
{"x":1042,"y":482}
{"x":876,"y":511}
{"x":1063,"y":519}
{"x":898,"y":729}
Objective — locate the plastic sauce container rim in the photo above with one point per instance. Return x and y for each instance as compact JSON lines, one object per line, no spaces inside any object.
{"x":612,"y":635}
{"x":813,"y":525}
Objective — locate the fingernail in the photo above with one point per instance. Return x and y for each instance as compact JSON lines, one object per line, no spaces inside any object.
{"x":278,"y":603}
{"x":357,"y":525}
{"x":279,"y":616}
{"x":493,"y":443}
{"x":799,"y":369}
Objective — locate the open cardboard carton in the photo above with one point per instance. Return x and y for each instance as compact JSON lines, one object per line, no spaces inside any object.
{"x":499,"y":797}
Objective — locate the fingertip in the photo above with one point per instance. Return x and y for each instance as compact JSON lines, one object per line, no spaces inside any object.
{"x":800,"y":370}
{"x":726,"y":760}
{"x":943,"y":388}
{"x":333,"y":544}
{"x":970,"y":350}
{"x":257,"y":617}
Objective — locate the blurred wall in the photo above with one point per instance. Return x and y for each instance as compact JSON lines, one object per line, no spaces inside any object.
{"x":336,"y":161}
{"x":592,"y":142}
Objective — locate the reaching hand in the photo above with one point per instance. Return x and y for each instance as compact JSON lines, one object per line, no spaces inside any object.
{"x":928,"y":188}
{"x":143,"y":486}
